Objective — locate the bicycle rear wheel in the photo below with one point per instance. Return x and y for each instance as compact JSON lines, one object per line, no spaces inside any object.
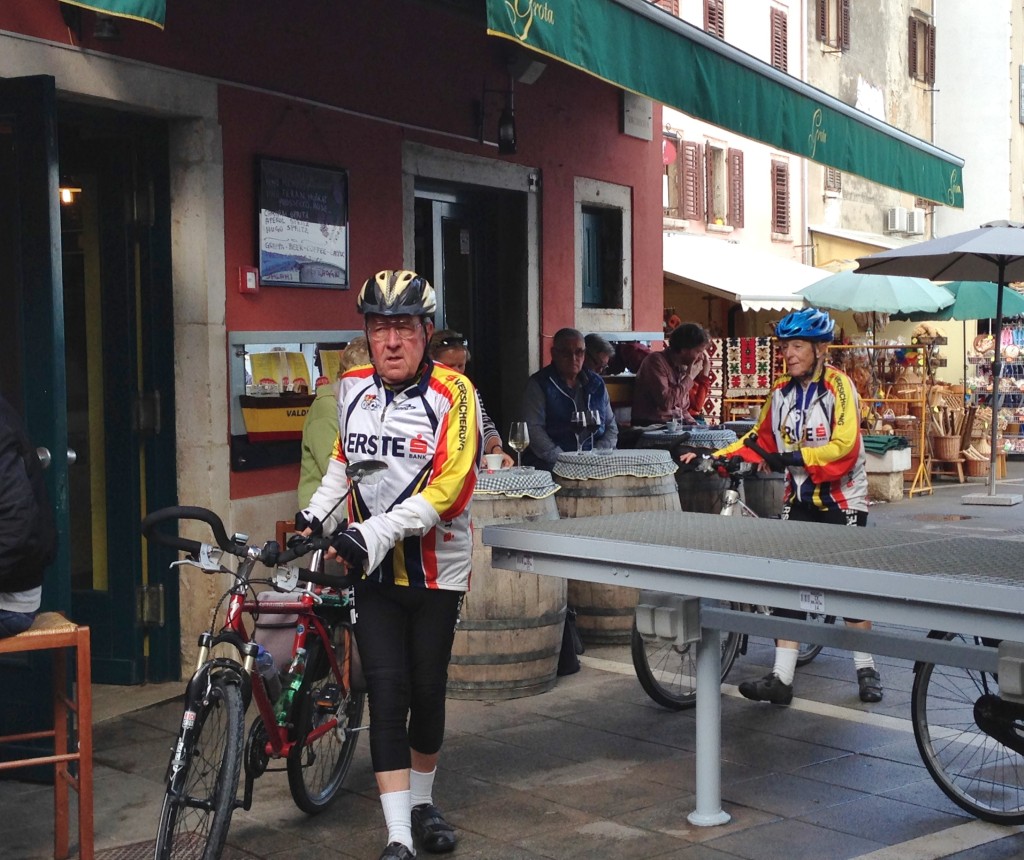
{"x":668,"y":672}
{"x":974,"y":770}
{"x":200,"y":798}
{"x":317,"y":767}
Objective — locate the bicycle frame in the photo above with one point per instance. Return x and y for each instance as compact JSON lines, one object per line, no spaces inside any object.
{"x":280,"y":737}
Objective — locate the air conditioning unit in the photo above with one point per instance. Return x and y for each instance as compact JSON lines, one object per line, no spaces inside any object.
{"x":896,"y":220}
{"x":915,"y":222}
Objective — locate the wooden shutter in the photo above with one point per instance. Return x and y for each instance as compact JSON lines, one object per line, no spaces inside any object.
{"x":833,"y":179}
{"x":929,"y":54}
{"x":779,"y":41}
{"x":844,"y":25}
{"x":823,"y":20}
{"x":780,"y":197}
{"x":714,"y":17}
{"x":693,"y":181}
{"x":735,"y":217}
{"x":671,"y":6}
{"x":912,"y":47}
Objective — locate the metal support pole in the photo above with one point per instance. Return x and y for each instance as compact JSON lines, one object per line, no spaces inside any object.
{"x":709,"y":810}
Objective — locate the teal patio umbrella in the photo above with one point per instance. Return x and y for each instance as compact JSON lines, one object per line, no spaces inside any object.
{"x":888,"y":294}
{"x":973,"y":300}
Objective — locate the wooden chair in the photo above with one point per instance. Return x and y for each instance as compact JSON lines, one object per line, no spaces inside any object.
{"x":52,"y":631}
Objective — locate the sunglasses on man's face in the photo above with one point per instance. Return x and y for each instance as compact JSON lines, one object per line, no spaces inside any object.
{"x":453,"y":340}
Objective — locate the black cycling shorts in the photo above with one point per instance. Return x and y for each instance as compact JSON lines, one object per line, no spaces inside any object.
{"x":405,"y":637}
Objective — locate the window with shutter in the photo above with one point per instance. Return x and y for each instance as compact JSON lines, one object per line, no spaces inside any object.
{"x":833,"y":180}
{"x":671,"y":6}
{"x":693,"y":181}
{"x":673,"y":180}
{"x":779,"y":39}
{"x":735,"y":188}
{"x":714,"y":17}
{"x":716,"y":184}
{"x":780,"y":197}
{"x":920,"y":50}
{"x":834,"y":23}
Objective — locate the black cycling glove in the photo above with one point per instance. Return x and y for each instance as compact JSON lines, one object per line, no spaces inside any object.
{"x":781,"y":462}
{"x":302,"y":523}
{"x":351,"y":547}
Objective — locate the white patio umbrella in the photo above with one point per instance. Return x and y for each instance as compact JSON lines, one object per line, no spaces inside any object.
{"x":992,"y":252}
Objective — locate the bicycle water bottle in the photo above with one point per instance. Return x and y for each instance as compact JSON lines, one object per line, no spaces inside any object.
{"x":293,"y":680}
{"x":266,"y":666}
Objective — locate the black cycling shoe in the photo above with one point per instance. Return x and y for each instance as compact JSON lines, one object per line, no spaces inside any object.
{"x":767,"y":689}
{"x":870,"y":683}
{"x":431,"y":830}
{"x":397,"y":851}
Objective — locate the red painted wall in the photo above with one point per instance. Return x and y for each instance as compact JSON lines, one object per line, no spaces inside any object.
{"x":418,"y":68}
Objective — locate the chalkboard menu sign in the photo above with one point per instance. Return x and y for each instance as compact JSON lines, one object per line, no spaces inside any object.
{"x":303,"y":225}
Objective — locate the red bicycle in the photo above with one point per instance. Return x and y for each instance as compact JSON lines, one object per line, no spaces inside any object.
{"x":312,"y":724}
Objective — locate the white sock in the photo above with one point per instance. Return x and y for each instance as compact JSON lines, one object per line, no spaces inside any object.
{"x":421,"y":786}
{"x":863,"y":661}
{"x":398,"y":817}
{"x":785,"y":664}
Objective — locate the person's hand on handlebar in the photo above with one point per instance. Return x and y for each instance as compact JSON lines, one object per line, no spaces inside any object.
{"x":780,"y":462}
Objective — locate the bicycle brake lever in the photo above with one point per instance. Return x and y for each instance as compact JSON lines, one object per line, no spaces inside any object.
{"x":209,"y":560}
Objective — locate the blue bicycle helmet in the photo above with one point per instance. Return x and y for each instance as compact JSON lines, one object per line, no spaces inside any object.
{"x":807,"y":324}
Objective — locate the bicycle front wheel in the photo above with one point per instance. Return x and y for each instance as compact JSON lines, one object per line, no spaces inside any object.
{"x":668,"y":672}
{"x":973,"y":769}
{"x":320,"y":760}
{"x":200,"y":798}
{"x":808,"y":651}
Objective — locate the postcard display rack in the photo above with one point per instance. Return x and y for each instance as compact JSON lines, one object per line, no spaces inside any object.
{"x":1011,"y":385}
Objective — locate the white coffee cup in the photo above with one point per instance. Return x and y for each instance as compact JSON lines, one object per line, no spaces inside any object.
{"x":493,"y":461}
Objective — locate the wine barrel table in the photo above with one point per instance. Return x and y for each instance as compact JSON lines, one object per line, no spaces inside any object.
{"x":510,"y":629}
{"x":597,"y":483}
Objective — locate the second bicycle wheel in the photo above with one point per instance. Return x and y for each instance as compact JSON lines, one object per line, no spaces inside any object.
{"x":197,"y":807}
{"x":668,"y":672}
{"x":317,"y":767}
{"x":975,"y":770}
{"x":808,"y":650}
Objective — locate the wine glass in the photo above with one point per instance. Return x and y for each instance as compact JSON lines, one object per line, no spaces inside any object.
{"x":578,"y":422}
{"x":518,"y":440}
{"x":593,"y":423}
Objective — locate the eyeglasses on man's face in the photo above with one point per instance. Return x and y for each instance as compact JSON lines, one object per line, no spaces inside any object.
{"x":570,"y":353}
{"x":405,"y":327}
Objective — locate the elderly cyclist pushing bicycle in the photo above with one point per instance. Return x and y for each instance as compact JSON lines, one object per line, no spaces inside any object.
{"x":410,"y":533}
{"x":809,"y":428}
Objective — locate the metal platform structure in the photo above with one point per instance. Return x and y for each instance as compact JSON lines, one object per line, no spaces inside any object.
{"x":920,"y":580}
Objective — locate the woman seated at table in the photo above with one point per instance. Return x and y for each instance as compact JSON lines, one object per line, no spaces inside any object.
{"x":674,"y":384}
{"x":449,"y":347}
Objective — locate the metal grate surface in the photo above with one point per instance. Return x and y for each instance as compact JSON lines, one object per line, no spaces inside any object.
{"x":982,"y":560}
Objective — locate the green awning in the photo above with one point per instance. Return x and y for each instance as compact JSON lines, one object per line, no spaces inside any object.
{"x":639,"y":47}
{"x":150,"y":11}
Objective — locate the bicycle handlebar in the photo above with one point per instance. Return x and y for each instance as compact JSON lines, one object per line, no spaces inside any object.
{"x":189,"y":512}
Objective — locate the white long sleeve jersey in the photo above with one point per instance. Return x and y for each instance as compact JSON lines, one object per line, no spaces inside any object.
{"x":415,"y":516}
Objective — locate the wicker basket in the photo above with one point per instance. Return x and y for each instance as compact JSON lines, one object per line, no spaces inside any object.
{"x":976,"y":468}
{"x":946,"y":448}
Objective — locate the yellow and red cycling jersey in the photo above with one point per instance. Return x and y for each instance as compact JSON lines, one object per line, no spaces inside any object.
{"x":822,"y":421}
{"x":414,"y":516}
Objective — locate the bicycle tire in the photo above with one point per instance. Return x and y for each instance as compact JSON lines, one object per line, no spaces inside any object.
{"x":316,"y":770}
{"x":667,"y":672}
{"x":808,"y":651}
{"x":973,"y":769}
{"x":194,"y":820}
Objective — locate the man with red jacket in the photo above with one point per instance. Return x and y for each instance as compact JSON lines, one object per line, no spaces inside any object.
{"x":809,"y":428}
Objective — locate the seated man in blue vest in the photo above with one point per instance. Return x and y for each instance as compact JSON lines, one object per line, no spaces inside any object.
{"x":554,"y":393}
